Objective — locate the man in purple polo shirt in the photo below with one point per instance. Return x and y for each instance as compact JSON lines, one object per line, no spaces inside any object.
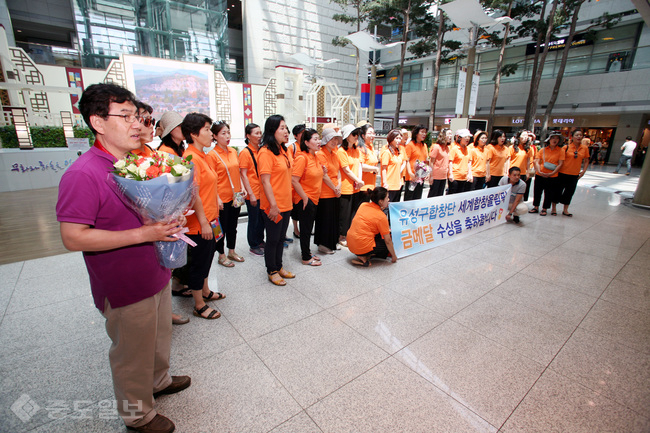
{"x":129,"y":286}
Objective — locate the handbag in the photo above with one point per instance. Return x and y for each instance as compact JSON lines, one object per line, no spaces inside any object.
{"x":548,"y":165}
{"x":238,"y":199}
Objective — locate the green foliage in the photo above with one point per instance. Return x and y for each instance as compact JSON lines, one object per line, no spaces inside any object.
{"x":340,"y":41}
{"x":43,"y":136}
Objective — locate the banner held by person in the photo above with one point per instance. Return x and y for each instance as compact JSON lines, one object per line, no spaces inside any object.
{"x":419,"y":225}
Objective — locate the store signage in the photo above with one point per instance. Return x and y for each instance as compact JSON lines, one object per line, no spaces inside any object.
{"x":557,"y":121}
{"x":579,"y":40}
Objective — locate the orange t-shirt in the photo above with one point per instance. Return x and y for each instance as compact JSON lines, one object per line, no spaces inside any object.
{"x":392,"y":163}
{"x":369,"y":179}
{"x":144,"y":151}
{"x":413,"y":153}
{"x":329,"y":160}
{"x":497,"y":156}
{"x":246,"y":162}
{"x":279,"y":167}
{"x":167,"y":149}
{"x":205,"y":180}
{"x":572,"y":165}
{"x":460,"y":158}
{"x":479,"y":161}
{"x":307,"y":167}
{"x":520,"y":158}
{"x":228,"y":157}
{"x":369,"y":221}
{"x":350,"y":159}
{"x":440,"y":162}
{"x":553,"y":156}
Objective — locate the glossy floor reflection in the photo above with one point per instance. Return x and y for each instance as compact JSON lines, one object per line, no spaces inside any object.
{"x":532,"y":328}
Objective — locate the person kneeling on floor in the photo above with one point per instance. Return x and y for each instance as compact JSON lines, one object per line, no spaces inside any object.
{"x":516,"y":206}
{"x":369,"y":233}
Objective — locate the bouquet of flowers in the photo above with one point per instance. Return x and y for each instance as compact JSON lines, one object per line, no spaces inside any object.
{"x":422,"y":172}
{"x":160,"y":188}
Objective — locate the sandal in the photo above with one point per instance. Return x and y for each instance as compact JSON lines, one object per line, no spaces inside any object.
{"x":567,"y":214}
{"x":312,"y":262}
{"x":214,"y":296}
{"x":236,"y":257}
{"x":534,"y":210}
{"x":554,"y":213}
{"x":225,"y":262}
{"x":359,"y":262}
{"x":543,"y":212}
{"x":286,"y":274}
{"x":277,"y":281}
{"x":185,"y":293}
{"x":214,"y":314}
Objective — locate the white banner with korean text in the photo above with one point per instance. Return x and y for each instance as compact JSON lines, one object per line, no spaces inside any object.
{"x":419,"y":225}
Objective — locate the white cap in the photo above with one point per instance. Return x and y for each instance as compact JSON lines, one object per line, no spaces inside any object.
{"x":347,"y":130}
{"x":328,"y":135}
{"x":462,"y":133}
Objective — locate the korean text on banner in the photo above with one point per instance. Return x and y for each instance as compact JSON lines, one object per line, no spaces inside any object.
{"x":419,"y":225}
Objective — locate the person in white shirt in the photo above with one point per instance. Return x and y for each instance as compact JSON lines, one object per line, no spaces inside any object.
{"x":626,"y":157}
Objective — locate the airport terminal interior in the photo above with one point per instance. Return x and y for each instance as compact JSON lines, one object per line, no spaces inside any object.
{"x":537,"y":327}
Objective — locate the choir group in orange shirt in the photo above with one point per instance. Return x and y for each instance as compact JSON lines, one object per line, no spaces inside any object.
{"x":327,"y":183}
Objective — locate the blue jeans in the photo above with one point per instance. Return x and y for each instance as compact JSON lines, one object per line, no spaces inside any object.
{"x":255,"y":225}
{"x":625,"y":160}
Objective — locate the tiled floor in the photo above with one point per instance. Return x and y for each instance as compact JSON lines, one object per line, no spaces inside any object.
{"x":543,"y":327}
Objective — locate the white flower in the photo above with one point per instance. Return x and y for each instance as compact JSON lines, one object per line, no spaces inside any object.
{"x":179,"y":169}
{"x":142,"y":171}
{"x":132,"y":168}
{"x":120,"y":164}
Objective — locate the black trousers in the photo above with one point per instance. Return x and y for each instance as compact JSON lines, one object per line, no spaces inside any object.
{"x":567,"y":187}
{"x":459,"y":186}
{"x":275,"y":234}
{"x":549,"y":186}
{"x":255,"y":225}
{"x":201,"y":261}
{"x":437,"y":188}
{"x":228,"y":218}
{"x":416,"y":193}
{"x":347,"y":209}
{"x":380,"y":251}
{"x":326,"y":231}
{"x":394,"y":195}
{"x":494,"y":181}
{"x":306,"y":218}
{"x":528,"y":181}
{"x":478,"y":183}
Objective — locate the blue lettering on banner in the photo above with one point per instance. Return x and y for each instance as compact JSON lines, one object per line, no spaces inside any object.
{"x":42,"y":166}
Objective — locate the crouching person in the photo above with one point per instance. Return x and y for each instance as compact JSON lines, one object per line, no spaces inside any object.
{"x":516,"y":206}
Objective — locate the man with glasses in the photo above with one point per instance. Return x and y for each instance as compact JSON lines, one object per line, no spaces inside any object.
{"x":129,"y":286}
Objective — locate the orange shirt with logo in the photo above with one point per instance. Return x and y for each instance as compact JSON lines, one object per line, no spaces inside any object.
{"x":460,"y":158}
{"x":369,"y":221}
{"x":369,"y":178}
{"x":279,"y":167}
{"x":520,"y":158}
{"x":479,"y":161}
{"x":205,"y":180}
{"x":330,"y":161}
{"x":415,"y":152}
{"x":310,"y":172}
{"x":392,"y":162}
{"x":246,"y":162}
{"x":497,"y":155}
{"x":351,"y":159}
{"x":573,"y":162}
{"x":439,"y":161}
{"x":554,"y":156}
{"x":229,"y":158}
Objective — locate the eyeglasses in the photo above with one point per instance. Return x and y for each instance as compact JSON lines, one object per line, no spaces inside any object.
{"x":128,"y":118}
{"x":147,"y":121}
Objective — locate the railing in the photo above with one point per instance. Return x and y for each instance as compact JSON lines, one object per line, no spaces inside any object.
{"x":582,"y":65}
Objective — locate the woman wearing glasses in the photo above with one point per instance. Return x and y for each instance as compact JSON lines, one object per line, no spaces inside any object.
{"x":576,"y":160}
{"x":146,"y":130}
{"x":223,"y":160}
{"x":275,"y":174}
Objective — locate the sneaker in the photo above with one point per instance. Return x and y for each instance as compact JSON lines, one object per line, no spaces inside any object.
{"x":515,"y":218}
{"x":627,"y":174}
{"x":338,"y":246}
{"x":288,"y":240}
{"x":323,"y":249}
{"x":257,"y":251}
